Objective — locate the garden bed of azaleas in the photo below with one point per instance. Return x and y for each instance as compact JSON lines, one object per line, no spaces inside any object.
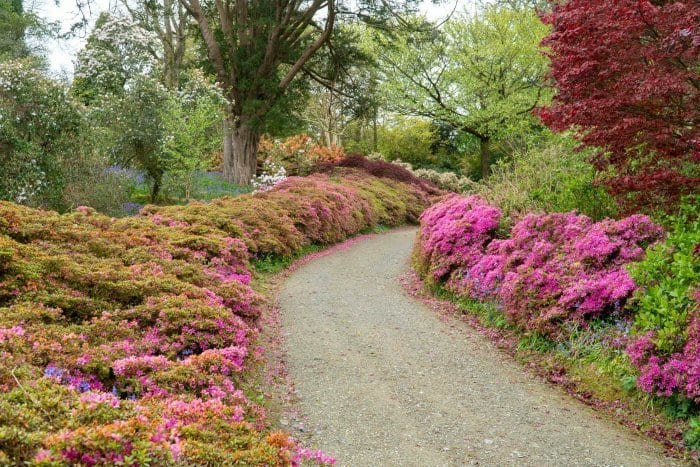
{"x":130,"y":341}
{"x":622,"y":290}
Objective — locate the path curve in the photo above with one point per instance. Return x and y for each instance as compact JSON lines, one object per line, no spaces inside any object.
{"x":380,"y":380}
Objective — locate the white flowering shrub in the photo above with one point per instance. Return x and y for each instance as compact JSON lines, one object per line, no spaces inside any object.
{"x":39,"y":126}
{"x":272,"y":174}
{"x":448,"y":180}
{"x":117,"y":51}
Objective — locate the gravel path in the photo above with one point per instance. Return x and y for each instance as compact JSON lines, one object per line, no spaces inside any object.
{"x":380,"y":380}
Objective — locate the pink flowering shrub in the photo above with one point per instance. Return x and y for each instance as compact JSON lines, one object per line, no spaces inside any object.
{"x":666,"y":350}
{"x":453,"y":236}
{"x":553,"y":272}
{"x":320,"y":208}
{"x":668,"y":375}
{"x":128,"y":341}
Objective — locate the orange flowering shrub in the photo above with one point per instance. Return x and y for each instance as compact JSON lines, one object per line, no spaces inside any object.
{"x":127,"y":341}
{"x":298,"y":154}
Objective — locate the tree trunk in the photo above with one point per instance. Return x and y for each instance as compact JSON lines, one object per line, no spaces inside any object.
{"x":485,"y":150}
{"x":228,"y":149}
{"x":155,"y":189}
{"x":240,"y":152}
{"x":375,"y":144}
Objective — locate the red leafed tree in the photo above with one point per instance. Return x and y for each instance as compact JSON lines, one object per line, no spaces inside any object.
{"x":628,"y":79}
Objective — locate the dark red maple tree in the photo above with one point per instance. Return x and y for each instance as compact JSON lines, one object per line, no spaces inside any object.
{"x":627,"y":74}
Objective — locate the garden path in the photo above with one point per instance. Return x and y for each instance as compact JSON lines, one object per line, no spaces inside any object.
{"x":381,"y":380}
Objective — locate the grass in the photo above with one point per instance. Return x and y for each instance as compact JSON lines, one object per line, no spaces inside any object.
{"x":273,"y":264}
{"x":487,"y":312}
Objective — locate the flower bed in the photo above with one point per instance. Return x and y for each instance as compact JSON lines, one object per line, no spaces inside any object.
{"x":130,"y":341}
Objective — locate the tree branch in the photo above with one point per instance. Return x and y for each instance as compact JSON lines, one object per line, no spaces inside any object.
{"x":312,"y":49}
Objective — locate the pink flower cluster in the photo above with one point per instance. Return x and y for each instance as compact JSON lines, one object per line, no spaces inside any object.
{"x":8,"y":333}
{"x":553,"y":272}
{"x":666,"y":375}
{"x":454,"y":235}
{"x":303,"y":454}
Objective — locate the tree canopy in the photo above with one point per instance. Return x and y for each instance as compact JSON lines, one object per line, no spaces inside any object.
{"x":481,"y":74}
{"x":628,"y":78}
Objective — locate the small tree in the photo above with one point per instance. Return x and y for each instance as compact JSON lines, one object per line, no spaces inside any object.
{"x":192,"y":124}
{"x":145,"y":123}
{"x":627,"y":74}
{"x":482,"y":75}
{"x":161,"y":131}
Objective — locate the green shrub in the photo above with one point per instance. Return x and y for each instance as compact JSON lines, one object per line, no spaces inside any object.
{"x":104,"y":190}
{"x":692,"y":435}
{"x":551,"y":177}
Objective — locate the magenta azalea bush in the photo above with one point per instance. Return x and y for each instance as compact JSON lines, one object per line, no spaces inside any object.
{"x":668,"y":375}
{"x":552,"y":273}
{"x":667,"y":311}
{"x":454,"y":235}
{"x":131,"y":341}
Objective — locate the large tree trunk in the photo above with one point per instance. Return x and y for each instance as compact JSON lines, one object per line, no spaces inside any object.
{"x":241,"y":142}
{"x":485,"y":150}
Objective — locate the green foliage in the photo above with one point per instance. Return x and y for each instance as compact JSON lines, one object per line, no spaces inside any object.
{"x":21,"y":30}
{"x":192,"y":122}
{"x":499,"y":66}
{"x":13,"y":24}
{"x":667,"y":277}
{"x":409,"y":139}
{"x":692,"y":435}
{"x":550,"y":176}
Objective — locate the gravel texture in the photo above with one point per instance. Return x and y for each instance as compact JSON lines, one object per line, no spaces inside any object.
{"x":380,"y":380}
